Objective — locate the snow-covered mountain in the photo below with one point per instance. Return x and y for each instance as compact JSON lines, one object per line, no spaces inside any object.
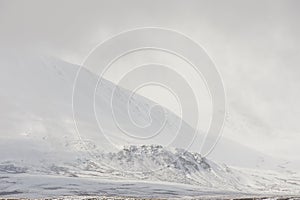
{"x":51,"y":125}
{"x":36,"y":104}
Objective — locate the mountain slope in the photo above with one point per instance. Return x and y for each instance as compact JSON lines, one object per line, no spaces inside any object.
{"x":36,"y":103}
{"x":40,"y":136}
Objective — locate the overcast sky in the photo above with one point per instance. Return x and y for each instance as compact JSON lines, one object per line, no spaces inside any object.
{"x":254,"y":43}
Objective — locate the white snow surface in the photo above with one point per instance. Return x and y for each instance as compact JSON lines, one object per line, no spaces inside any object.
{"x":51,"y":147}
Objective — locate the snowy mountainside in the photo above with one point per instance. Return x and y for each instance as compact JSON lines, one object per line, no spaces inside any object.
{"x":38,"y":134}
{"x":150,"y":164}
{"x":36,"y":105}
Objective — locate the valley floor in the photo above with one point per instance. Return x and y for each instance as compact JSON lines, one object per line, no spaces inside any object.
{"x":36,"y":186}
{"x":58,"y":187}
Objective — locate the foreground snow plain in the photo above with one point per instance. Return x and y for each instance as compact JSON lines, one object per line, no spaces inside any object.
{"x":42,"y":155}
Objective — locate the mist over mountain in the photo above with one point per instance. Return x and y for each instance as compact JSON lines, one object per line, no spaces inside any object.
{"x":149,"y":100}
{"x":40,"y":136}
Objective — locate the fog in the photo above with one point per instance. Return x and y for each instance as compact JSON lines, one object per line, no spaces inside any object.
{"x":255,"y":44}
